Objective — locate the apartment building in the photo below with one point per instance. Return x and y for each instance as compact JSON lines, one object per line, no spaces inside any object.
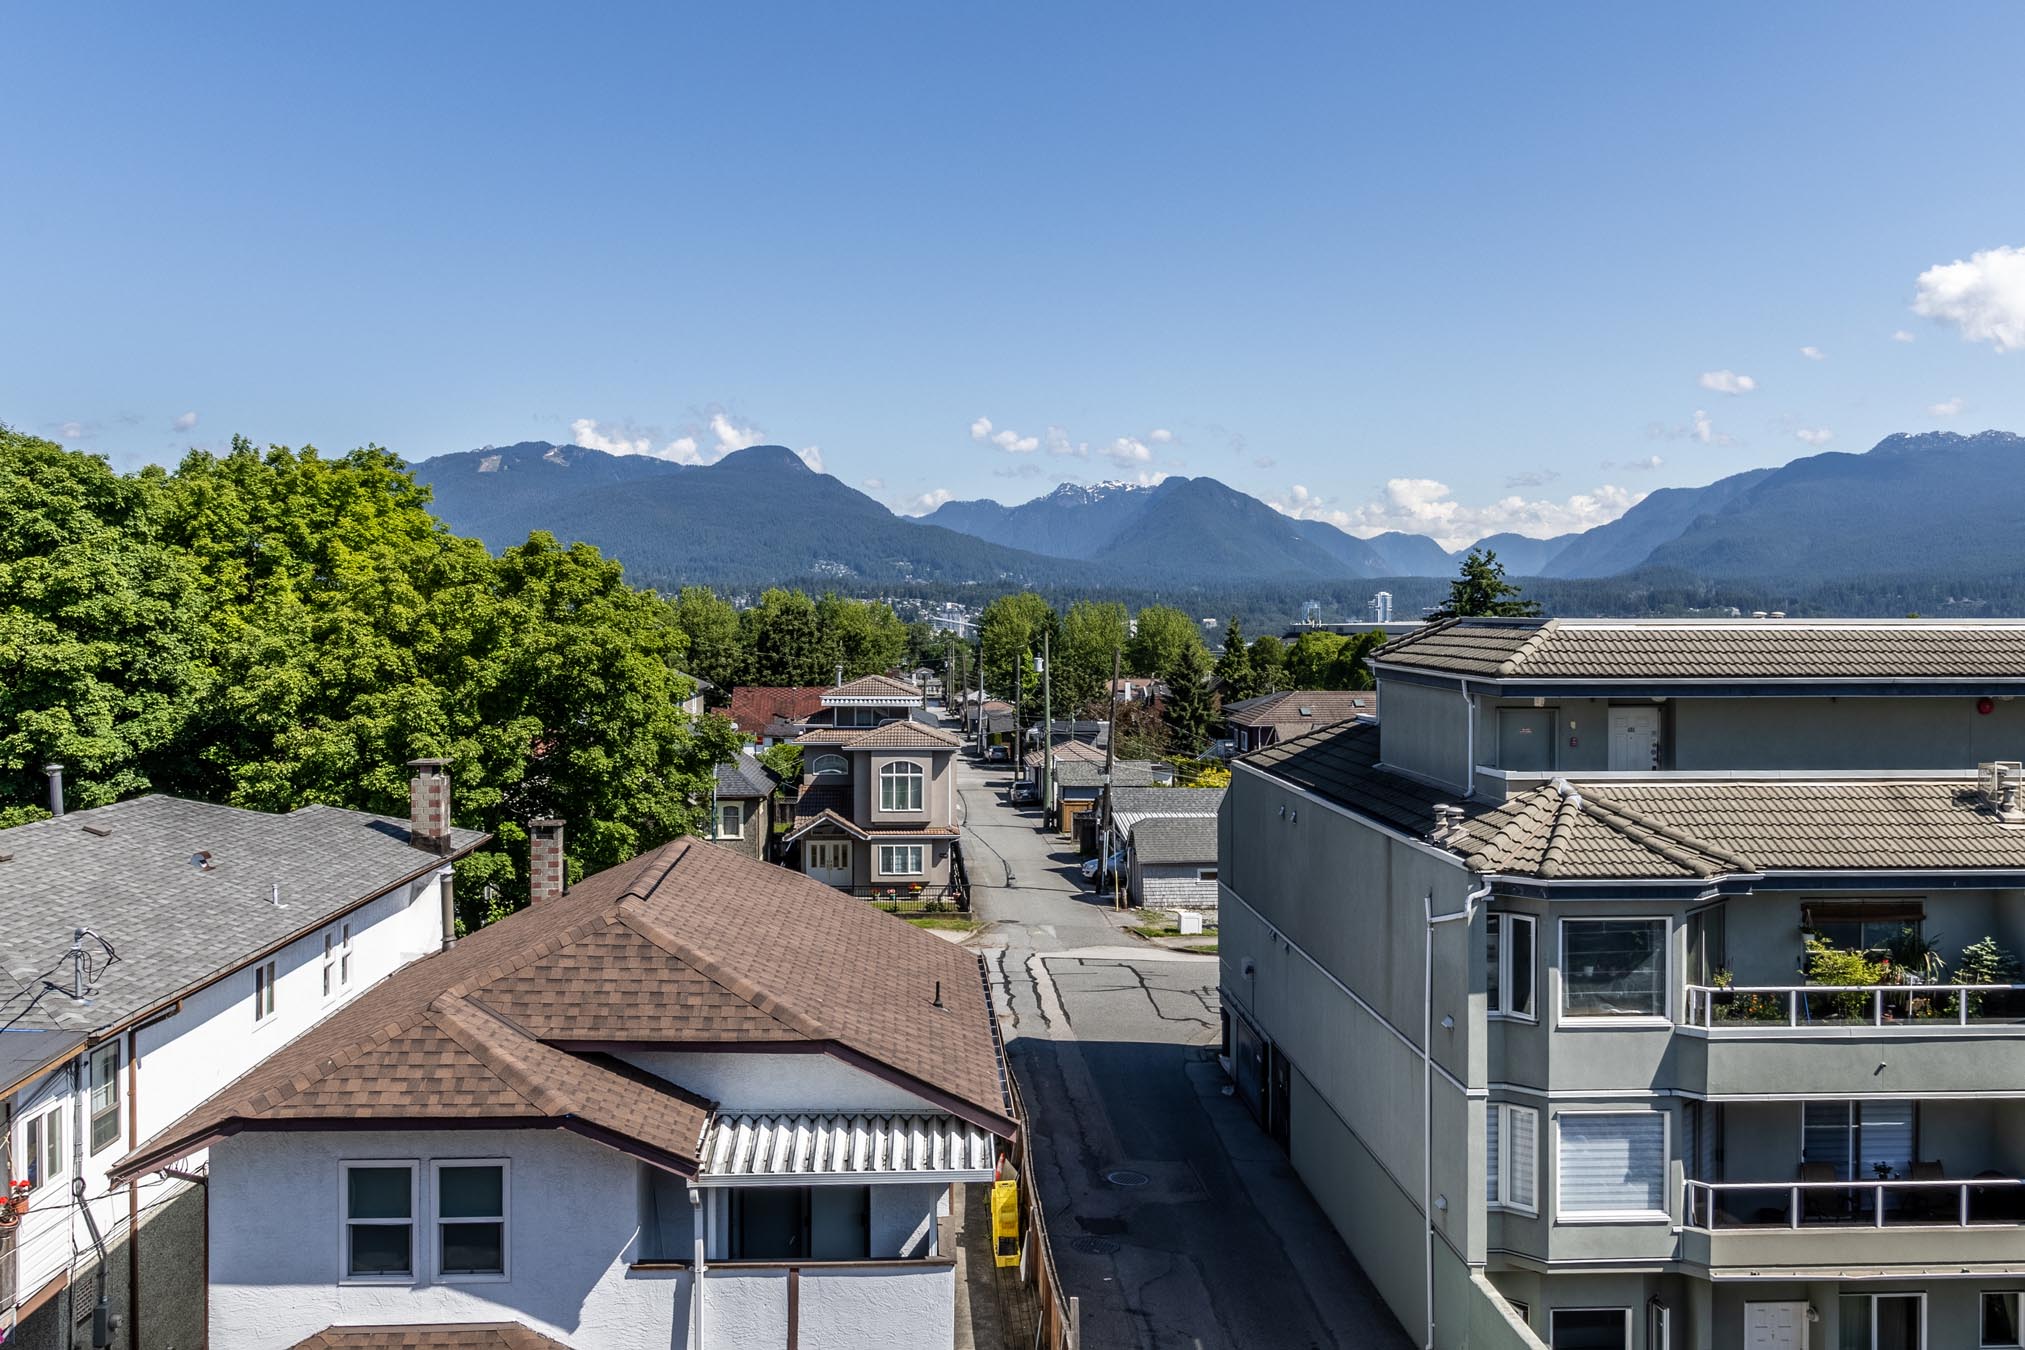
{"x":1653,"y":977}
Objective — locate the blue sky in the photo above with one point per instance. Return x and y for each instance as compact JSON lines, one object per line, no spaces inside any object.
{"x":1441,"y":268}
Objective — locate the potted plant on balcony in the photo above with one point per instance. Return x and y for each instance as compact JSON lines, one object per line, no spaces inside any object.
{"x":1984,"y":962}
{"x":1745,"y":1007}
{"x":1830,"y":965}
{"x":1913,"y":959}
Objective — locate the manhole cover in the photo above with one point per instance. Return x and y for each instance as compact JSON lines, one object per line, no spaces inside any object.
{"x":1094,"y":1246}
{"x":1125,"y":1176}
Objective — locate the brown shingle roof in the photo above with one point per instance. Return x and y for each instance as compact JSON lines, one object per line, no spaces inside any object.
{"x":688,"y":943}
{"x":441,"y":1336}
{"x":1663,"y":650}
{"x":1302,"y":707}
{"x":753,"y":706}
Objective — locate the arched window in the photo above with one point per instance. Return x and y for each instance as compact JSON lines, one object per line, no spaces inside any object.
{"x":900,"y":786}
{"x":826,"y":764}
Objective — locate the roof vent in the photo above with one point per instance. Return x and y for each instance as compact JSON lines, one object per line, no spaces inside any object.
{"x":201,"y":860}
{"x":1447,"y":825}
{"x":1999,"y":783}
{"x":97,"y":831}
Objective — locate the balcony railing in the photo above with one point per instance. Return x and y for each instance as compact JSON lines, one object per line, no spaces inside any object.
{"x":1918,"y":1007}
{"x":1986,"y":1201}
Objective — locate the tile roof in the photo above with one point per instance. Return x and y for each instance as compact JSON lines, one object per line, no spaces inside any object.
{"x":1666,"y":828}
{"x":826,"y":735}
{"x":1068,"y":752}
{"x":1705,"y":649}
{"x":753,"y":706}
{"x":1302,"y":707}
{"x":129,"y":873}
{"x":744,"y":777}
{"x":439,"y":1336}
{"x":1175,"y":839}
{"x":892,"y":736}
{"x":874,"y":687}
{"x":690,"y":942}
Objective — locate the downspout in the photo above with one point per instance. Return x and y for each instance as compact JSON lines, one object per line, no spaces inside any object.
{"x":696,"y":1268}
{"x":1430,"y":919}
{"x":1469,"y":742}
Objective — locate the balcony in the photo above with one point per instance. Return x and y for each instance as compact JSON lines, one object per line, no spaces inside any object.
{"x":1854,"y":1225}
{"x":1920,"y":1008}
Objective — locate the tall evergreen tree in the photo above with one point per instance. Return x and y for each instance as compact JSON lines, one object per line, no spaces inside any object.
{"x":1189,"y":709}
{"x":1480,"y":590}
{"x":1234,"y":667}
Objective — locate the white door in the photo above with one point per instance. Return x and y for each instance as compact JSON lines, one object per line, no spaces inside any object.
{"x":1775,"y":1326}
{"x":828,"y":861}
{"x":1634,"y":739}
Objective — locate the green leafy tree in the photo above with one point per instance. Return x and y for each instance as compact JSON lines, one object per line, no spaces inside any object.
{"x":1351,"y":669}
{"x":1234,"y":669}
{"x":1480,"y":590}
{"x":711,"y":625}
{"x":1312,"y":660}
{"x":1189,"y":709}
{"x":785,"y":642}
{"x":1160,"y":635}
{"x":1091,"y":631}
{"x":1011,"y":629}
{"x":869,"y":637}
{"x":1269,"y":663}
{"x":784,"y":758}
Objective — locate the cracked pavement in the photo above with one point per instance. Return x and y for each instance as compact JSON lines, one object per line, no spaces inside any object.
{"x":1114,"y":1042}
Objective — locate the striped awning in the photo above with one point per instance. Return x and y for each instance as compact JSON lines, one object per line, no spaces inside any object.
{"x":814,"y":1149}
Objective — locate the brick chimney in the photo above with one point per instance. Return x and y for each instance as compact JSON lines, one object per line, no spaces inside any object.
{"x":544,"y":860}
{"x":429,"y":805}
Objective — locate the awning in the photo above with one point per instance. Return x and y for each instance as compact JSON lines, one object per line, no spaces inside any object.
{"x":844,"y":1149}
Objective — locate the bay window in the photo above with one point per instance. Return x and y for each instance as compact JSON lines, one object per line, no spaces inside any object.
{"x":1613,"y":968}
{"x":1511,"y":1147}
{"x":1508,"y":966}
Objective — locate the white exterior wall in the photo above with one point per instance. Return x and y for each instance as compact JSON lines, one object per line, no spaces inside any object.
{"x":573,"y":1224}
{"x":777,"y":1081}
{"x":842,"y":1308}
{"x":186,"y":1057}
{"x":1165,"y":886}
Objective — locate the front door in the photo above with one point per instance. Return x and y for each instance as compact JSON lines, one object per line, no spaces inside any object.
{"x":1634,"y":739}
{"x":828,"y":861}
{"x":1775,"y":1326}
{"x":1525,"y":740}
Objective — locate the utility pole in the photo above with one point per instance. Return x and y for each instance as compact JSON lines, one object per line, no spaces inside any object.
{"x":1110,"y":762}
{"x":1047,"y":726}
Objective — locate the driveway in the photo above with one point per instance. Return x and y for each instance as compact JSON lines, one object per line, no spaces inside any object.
{"x":1176,"y":1221}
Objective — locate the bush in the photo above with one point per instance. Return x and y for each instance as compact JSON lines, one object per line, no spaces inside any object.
{"x":1830,"y":965}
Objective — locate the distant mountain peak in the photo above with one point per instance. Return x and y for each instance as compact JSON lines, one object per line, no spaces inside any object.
{"x":765,"y":457}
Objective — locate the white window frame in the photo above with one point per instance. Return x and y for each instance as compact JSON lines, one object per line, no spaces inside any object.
{"x":920,"y":868}
{"x":413,"y":1222}
{"x":345,"y":955}
{"x":2017,"y":1319}
{"x":1919,"y":1294}
{"x":1616,"y":1216}
{"x":816,"y":763}
{"x":437,"y":1220}
{"x":1205,"y":874}
{"x":843,"y":847}
{"x":265,"y":976}
{"x":1658,"y":1326}
{"x":909,"y":774}
{"x":1504,"y":919}
{"x":1573,"y":1021}
{"x":1505,"y":1112}
{"x":717,"y":830}
{"x":37,"y":1149}
{"x":329,"y":965}
{"x":110,"y":1083}
{"x":1556,"y":1313}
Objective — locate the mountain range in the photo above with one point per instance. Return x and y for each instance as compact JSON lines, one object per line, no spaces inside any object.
{"x":1929,"y":505}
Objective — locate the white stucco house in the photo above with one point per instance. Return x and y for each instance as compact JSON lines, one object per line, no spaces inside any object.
{"x":155,"y":950}
{"x":693,"y":1101}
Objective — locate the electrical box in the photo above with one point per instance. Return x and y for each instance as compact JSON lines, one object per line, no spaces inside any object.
{"x":1005,"y":1222}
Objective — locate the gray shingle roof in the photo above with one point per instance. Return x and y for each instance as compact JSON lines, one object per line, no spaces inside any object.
{"x":1126,"y":773}
{"x":126,"y":872}
{"x":1175,"y":839}
{"x":1667,"y":828}
{"x":743,"y":777}
{"x":1705,"y":649}
{"x":1165,"y":801}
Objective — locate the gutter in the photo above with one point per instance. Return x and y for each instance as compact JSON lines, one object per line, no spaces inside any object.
{"x":696,"y":1268}
{"x":1429,"y":919}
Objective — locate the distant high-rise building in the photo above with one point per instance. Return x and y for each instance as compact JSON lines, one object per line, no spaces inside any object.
{"x":1380,"y":607}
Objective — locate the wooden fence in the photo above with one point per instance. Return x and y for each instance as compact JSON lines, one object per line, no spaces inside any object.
{"x":1058,"y":1325}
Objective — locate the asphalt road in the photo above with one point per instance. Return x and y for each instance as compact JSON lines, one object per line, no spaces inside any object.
{"x":1176,"y":1221}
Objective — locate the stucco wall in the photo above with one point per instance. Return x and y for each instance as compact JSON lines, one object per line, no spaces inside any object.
{"x":1425,"y":730}
{"x":784,"y":1081}
{"x":574,"y":1206}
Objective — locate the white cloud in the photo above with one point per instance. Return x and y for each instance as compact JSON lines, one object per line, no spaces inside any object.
{"x":70,"y":431}
{"x":1128,"y":450}
{"x":812,"y":455}
{"x":1647,"y":464}
{"x":185,"y":422}
{"x":1984,"y":296}
{"x":1951,"y":408}
{"x":1902,"y":336}
{"x":1727,"y":382}
{"x":1160,"y":435}
{"x":1060,"y":444}
{"x":924,"y":503}
{"x":624,"y":438}
{"x":1425,"y":506}
{"x":1006,"y":439}
{"x":980,"y":429}
{"x":730,"y":436}
{"x":1814,"y":353}
{"x":1700,"y":428}
{"x":872,"y":484}
{"x":1815,"y":435}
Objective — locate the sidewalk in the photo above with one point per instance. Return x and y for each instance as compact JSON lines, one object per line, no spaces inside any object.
{"x":994,"y":1309}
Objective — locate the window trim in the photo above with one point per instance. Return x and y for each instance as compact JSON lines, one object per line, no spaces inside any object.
{"x":437,"y":1220}
{"x":1614,"y":1216}
{"x":1565,"y":1019}
{"x":919,"y":870}
{"x":842,"y":845}
{"x":111,"y":1082}
{"x":265,"y":976}
{"x":1919,"y":1294}
{"x":1555,"y":1314}
{"x":35,"y":1146}
{"x":345,"y":956}
{"x":1505,"y":1111}
{"x":1532,"y":922}
{"x":907,"y":773}
{"x":413,"y":1222}
{"x":2017,"y":1320}
{"x":816,"y":769}
{"x":1205,"y":874}
{"x":717,"y":830}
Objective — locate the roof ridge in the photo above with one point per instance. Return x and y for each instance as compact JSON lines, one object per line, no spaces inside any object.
{"x":455,"y":1018}
{"x":1668,"y":841}
{"x":1523,"y":826}
{"x":1510,"y":665}
{"x":1560,"y":834}
{"x":299,"y":1083}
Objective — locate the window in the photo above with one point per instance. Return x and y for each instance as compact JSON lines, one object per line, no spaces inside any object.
{"x":797,"y":1223}
{"x":730,"y":820}
{"x":1508,"y":966}
{"x":1883,"y":1322}
{"x":379,"y":1220}
{"x":1205,"y":874}
{"x":345,"y":957}
{"x":2001,"y":1321}
{"x":1511,"y":1148}
{"x":263,"y":992}
{"x":105,"y":1096}
{"x":1612,"y":1165}
{"x":470,"y":1220}
{"x":899,"y":860}
{"x":900,"y":786}
{"x":1863,"y":925}
{"x":1853,"y":1137}
{"x":828,"y":764}
{"x":1591,"y":1329}
{"x":43,"y":1147}
{"x":667,"y":1224}
{"x":1613,"y":968}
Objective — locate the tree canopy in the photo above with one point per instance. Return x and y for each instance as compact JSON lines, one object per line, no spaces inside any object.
{"x":1159,"y":636}
{"x":1480,"y":590}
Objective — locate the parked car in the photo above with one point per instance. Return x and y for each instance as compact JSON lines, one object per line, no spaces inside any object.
{"x":995,"y":755}
{"x":1025,"y":792}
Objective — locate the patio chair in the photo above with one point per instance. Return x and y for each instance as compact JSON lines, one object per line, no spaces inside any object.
{"x":1929,"y":1204}
{"x":1822,"y":1206}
